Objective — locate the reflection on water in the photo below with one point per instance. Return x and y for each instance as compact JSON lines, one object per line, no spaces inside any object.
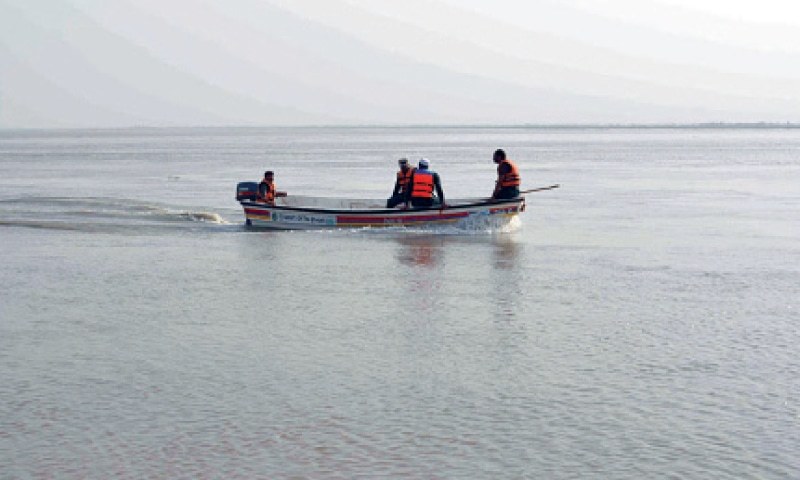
{"x":435,"y":267}
{"x":423,"y":259}
{"x":507,"y":272}
{"x":428,"y":250}
{"x":506,"y":252}
{"x":420,"y":250}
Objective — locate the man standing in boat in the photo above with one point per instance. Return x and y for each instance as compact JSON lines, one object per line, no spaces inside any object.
{"x":508,"y":179}
{"x":401,"y":185}
{"x":267,"y":191}
{"x":421,"y":187}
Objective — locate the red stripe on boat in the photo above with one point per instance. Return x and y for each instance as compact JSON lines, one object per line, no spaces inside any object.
{"x":253,"y":211}
{"x":399,"y":219}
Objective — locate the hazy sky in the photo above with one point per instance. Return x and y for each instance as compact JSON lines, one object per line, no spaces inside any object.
{"x":74,"y":63}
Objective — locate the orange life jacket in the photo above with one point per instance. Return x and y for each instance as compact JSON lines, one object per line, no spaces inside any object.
{"x":510,"y":179}
{"x":403,"y":178}
{"x":423,"y":184}
{"x":270,"y":197}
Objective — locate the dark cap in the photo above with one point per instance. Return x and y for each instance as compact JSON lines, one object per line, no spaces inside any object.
{"x":500,"y":154}
{"x":268,"y":173}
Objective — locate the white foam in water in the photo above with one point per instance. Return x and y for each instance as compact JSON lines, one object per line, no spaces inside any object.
{"x":489,"y":224}
{"x":207,"y":217}
{"x":86,"y":212}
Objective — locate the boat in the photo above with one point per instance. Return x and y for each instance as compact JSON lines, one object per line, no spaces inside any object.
{"x":295,"y":212}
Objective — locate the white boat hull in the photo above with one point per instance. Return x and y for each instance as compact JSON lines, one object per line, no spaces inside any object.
{"x":294,"y":212}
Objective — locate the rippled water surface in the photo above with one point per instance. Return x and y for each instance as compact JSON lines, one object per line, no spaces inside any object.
{"x":640,"y":322}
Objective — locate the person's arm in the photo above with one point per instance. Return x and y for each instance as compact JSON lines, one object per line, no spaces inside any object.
{"x":409,"y":189}
{"x":438,"y":184}
{"x":396,"y":188}
{"x":502,"y":170}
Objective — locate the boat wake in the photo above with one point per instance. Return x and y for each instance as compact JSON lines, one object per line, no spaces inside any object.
{"x":110,"y":215}
{"x":94,"y":214}
{"x":207,"y":217}
{"x":484,"y":224}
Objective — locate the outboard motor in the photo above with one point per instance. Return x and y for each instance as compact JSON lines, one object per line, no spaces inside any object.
{"x":246,"y":191}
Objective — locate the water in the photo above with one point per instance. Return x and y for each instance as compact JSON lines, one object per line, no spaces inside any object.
{"x":641,"y":322}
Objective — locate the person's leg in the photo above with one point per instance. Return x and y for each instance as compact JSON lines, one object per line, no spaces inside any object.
{"x":507,"y":192}
{"x":394,"y":201}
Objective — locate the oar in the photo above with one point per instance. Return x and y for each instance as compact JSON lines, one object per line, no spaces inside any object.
{"x":540,"y":189}
{"x":526,"y":191}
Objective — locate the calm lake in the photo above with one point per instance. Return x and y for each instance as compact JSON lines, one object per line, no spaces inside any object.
{"x":640,"y":322}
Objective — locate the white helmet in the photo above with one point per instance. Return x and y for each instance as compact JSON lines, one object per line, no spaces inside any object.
{"x":423,"y":163}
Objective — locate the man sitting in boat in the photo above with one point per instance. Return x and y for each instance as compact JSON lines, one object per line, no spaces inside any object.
{"x":508,"y":179}
{"x":267,"y":191}
{"x":421,"y":187}
{"x":401,"y":185}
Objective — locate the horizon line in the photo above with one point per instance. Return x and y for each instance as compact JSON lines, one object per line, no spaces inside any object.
{"x":611,"y":125}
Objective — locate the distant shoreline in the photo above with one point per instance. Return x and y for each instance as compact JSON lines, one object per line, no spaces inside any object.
{"x":533,"y":126}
